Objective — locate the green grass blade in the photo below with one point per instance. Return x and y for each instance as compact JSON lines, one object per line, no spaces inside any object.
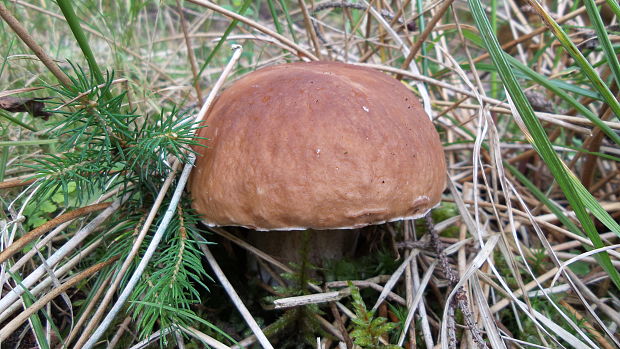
{"x":583,"y":63}
{"x":274,"y":15}
{"x":542,"y":197}
{"x":289,"y":20}
{"x":4,"y":159}
{"x":16,"y":121}
{"x":37,"y":327}
{"x":614,"y":6}
{"x":542,"y":80}
{"x":217,"y":47}
{"x":74,"y":23}
{"x":603,"y":38}
{"x":33,"y":142}
{"x":4,"y":60}
{"x":569,"y":184}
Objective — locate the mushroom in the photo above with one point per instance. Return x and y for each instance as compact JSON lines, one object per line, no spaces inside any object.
{"x":323,"y":146}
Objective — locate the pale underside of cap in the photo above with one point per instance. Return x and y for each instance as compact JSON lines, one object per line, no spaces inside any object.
{"x":317,"y":145}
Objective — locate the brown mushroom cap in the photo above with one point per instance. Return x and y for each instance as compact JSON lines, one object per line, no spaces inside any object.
{"x":319,"y":145}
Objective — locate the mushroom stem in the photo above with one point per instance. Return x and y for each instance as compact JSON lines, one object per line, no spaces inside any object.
{"x":321,"y":246}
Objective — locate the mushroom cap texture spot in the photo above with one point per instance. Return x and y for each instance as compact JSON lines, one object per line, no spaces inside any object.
{"x":320,"y":145}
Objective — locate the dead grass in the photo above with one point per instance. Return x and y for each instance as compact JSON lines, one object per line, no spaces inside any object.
{"x":502,"y":241}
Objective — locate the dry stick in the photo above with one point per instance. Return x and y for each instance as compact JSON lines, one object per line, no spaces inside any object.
{"x":28,"y":255}
{"x":300,"y":50}
{"x":315,"y":298}
{"x":310,"y":28}
{"x":97,"y":34}
{"x":425,"y":34}
{"x":343,"y":330}
{"x":152,"y":338}
{"x":65,"y":249}
{"x":35,"y":233}
{"x":387,"y":288}
{"x":14,"y":183}
{"x":235,"y":298}
{"x":208,"y":340}
{"x":426,"y":329}
{"x":609,"y":311}
{"x":409,"y":278}
{"x":169,"y":212}
{"x":6,"y":331}
{"x":119,"y":333}
{"x":190,"y":53}
{"x":38,"y":50}
{"x":414,"y":303}
{"x":86,"y":312}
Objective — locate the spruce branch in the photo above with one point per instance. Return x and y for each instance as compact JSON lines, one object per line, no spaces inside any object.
{"x":169,"y":212}
{"x":171,"y":279}
{"x":133,"y":281}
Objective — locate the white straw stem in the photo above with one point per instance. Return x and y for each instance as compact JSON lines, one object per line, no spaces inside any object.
{"x":170,"y":211}
{"x":176,"y":197}
{"x":235,"y":298}
{"x":63,"y":251}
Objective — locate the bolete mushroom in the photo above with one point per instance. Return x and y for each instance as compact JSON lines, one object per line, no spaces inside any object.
{"x":323,"y":146}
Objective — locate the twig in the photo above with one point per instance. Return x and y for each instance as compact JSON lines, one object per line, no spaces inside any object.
{"x":36,"y":232}
{"x":235,"y":298}
{"x":190,"y":52}
{"x":315,"y":298}
{"x":86,"y":313}
{"x":45,"y":283}
{"x":119,"y":333}
{"x":38,"y":50}
{"x":585,"y":324}
{"x":208,"y":340}
{"x":416,"y":300}
{"x":424,"y":35}
{"x":300,"y":50}
{"x":394,"y":279}
{"x":310,"y":28}
{"x":343,"y":330}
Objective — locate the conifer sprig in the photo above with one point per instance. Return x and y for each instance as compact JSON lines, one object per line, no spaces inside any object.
{"x":105,"y":144}
{"x":172,"y":279}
